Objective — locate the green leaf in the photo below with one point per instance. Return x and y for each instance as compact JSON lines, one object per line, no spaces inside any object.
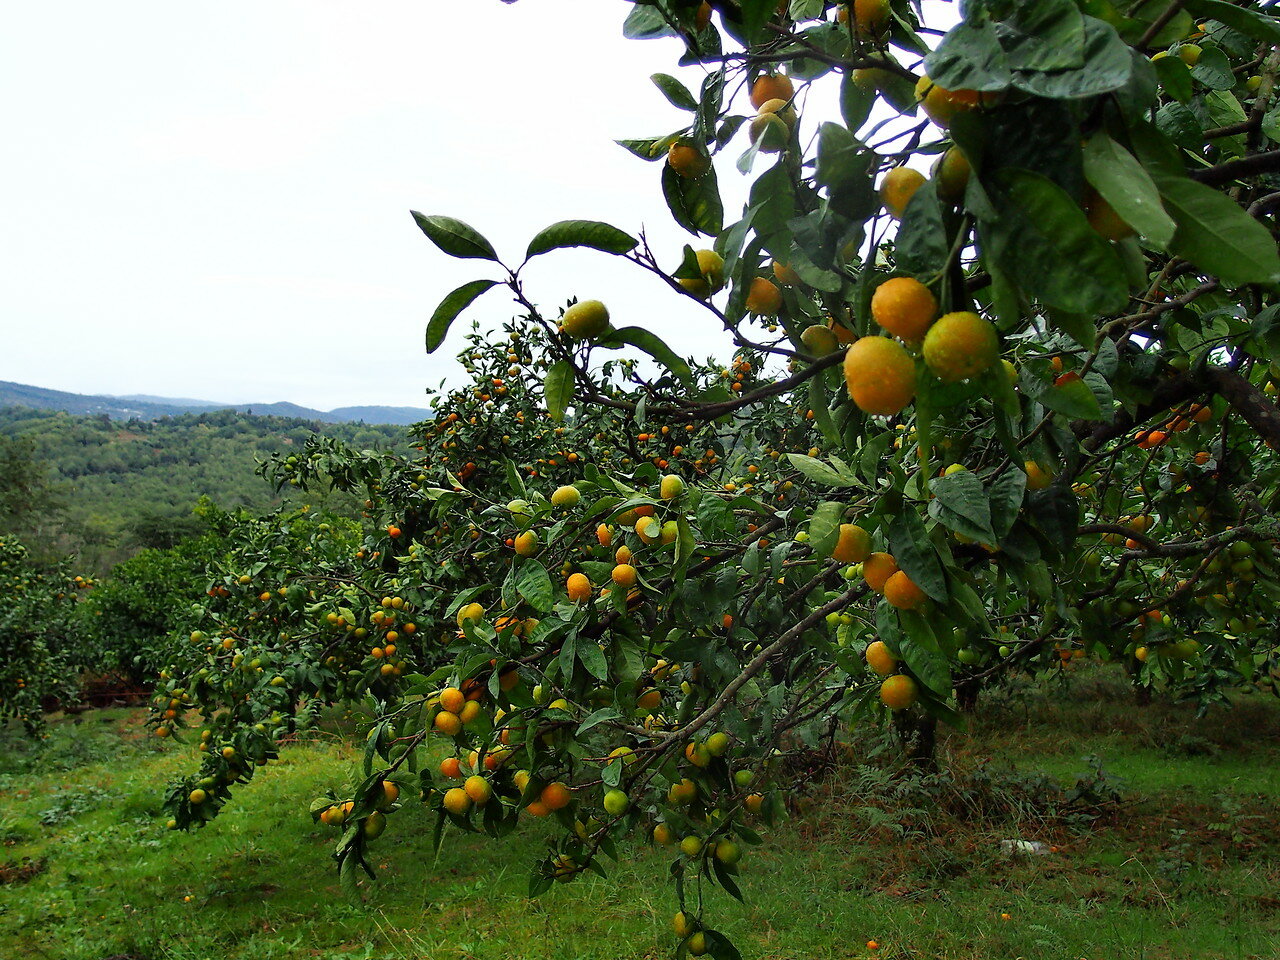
{"x":856,"y":101}
{"x":1044,"y":35}
{"x":961,"y":504}
{"x":1174,"y":77}
{"x":675,"y":91}
{"x":921,"y":243}
{"x":455,"y":238}
{"x":824,"y":527}
{"x":646,"y":23}
{"x":654,"y":148}
{"x":969,"y":57}
{"x":581,"y":233}
{"x":928,"y":667}
{"x":1245,"y":19}
{"x":1007,"y":492}
{"x":1125,"y":184}
{"x":449,"y":309}
{"x":695,"y":204}
{"x":651,"y":344}
{"x":1216,"y":235}
{"x":819,"y":472}
{"x":1213,"y":69}
{"x":557,"y":389}
{"x":1107,"y":67}
{"x":911,"y":547}
{"x":1039,"y":231}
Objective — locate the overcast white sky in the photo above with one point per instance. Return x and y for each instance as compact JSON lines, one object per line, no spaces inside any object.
{"x":212,"y":201}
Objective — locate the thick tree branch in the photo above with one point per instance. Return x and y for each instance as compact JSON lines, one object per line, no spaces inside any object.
{"x":1268,"y":162}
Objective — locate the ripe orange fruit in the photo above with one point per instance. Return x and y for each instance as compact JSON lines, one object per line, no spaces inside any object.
{"x":526,"y":544}
{"x":556,"y":796}
{"x":960,"y":345}
{"x":1037,"y":477}
{"x":624,"y":575}
{"x":771,"y":87}
{"x":688,"y":161}
{"x":877,"y":569}
{"x":711,"y":266}
{"x":764,"y":299}
{"x":881,"y":378}
{"x":785,"y":274}
{"x":853,"y":545}
{"x":586,"y":320}
{"x":450,"y":724}
{"x":903,"y":592}
{"x":478,"y":790}
{"x":951,"y":176}
{"x":898,"y":187}
{"x":870,"y":18}
{"x":941,"y":105}
{"x":456,"y":801}
{"x":880,"y":659}
{"x":451,"y":767}
{"x":452,"y":699}
{"x":538,"y":809}
{"x":579,"y":587}
{"x":899,"y":692}
{"x":1103,"y":217}
{"x":905,"y":307}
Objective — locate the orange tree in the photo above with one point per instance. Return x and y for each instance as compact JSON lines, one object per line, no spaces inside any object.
{"x":1016,"y":410}
{"x":41,"y":657}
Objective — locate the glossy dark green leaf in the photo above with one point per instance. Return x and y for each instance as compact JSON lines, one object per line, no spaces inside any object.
{"x":1007,"y":492}
{"x":1246,"y":19}
{"x":960,"y":503}
{"x":1213,"y":70}
{"x":454,"y":237}
{"x":824,"y":527}
{"x":534,"y":584}
{"x":1175,"y":78}
{"x":651,"y":344}
{"x":1044,"y":35}
{"x":927,"y":666}
{"x":1125,"y":184}
{"x":646,"y":23}
{"x":450,"y":308}
{"x":921,"y":243}
{"x":654,"y":148}
{"x":969,"y":57}
{"x":695,"y":204}
{"x":820,"y":472}
{"x":1217,"y":235}
{"x":1179,"y":124}
{"x":557,"y":389}
{"x":910,"y":545}
{"x":675,"y":91}
{"x":1107,"y":67}
{"x":856,"y":101}
{"x":582,"y":233}
{"x":1038,"y":231}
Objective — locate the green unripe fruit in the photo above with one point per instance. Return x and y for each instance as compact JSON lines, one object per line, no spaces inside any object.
{"x":616,"y":803}
{"x":586,"y":320}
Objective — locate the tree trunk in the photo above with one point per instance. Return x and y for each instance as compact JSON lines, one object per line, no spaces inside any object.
{"x":919,"y":734}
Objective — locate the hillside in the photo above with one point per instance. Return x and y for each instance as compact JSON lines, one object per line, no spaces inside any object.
{"x":146,"y":407}
{"x":126,"y":485}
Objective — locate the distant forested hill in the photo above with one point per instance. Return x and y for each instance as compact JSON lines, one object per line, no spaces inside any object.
{"x":118,"y":486}
{"x":144,"y":407}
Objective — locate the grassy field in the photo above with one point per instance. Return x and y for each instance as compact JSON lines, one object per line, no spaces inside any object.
{"x":1172,"y":852}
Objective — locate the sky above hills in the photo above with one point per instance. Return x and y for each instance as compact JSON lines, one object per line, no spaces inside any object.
{"x":214,"y":200}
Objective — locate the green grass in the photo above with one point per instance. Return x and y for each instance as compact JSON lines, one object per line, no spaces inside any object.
{"x":1187,"y":867}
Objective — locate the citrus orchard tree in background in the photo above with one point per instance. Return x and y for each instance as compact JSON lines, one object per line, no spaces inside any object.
{"x":997,"y":417}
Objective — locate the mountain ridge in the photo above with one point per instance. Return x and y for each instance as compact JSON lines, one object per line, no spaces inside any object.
{"x":148,"y":407}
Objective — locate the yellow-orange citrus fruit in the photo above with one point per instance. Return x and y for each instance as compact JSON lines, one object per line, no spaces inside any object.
{"x":819,"y":340}
{"x":556,"y":796}
{"x":771,"y":87}
{"x":1037,"y":477}
{"x":941,"y":105}
{"x":880,"y":376}
{"x":870,"y":18}
{"x":898,"y":187}
{"x":853,"y":545}
{"x":785,"y":274}
{"x":905,"y":307}
{"x":448,"y":723}
{"x":1104,"y":219}
{"x":903,"y":592}
{"x":579,"y":587}
{"x":683,"y":924}
{"x":624,"y":575}
{"x":764,"y":299}
{"x":711,"y":266}
{"x":451,"y":767}
{"x":951,"y":175}
{"x":586,"y":320}
{"x":880,"y":659}
{"x":527,"y":544}
{"x":899,"y":692}
{"x":538,"y":809}
{"x":770,"y":131}
{"x":478,"y":789}
{"x":688,"y":161}
{"x":456,"y":801}
{"x":470,"y":611}
{"x":877,"y":569}
{"x":960,"y":345}
{"x":452,"y":699}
